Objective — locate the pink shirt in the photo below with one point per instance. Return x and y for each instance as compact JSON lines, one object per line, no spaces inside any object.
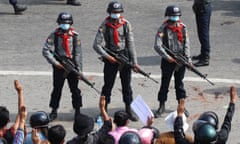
{"x":117,"y":133}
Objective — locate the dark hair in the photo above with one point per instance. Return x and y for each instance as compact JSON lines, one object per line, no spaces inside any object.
{"x":4,"y":116}
{"x":56,"y":134}
{"x":83,"y":124}
{"x":120,"y":118}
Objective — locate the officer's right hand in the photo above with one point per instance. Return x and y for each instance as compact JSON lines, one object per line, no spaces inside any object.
{"x":111,"y":59}
{"x":59,"y":66}
{"x":172,"y":60}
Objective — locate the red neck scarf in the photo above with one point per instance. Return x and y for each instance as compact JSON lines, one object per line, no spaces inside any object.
{"x":115,"y":26}
{"x":65,"y":37}
{"x":176,"y":28}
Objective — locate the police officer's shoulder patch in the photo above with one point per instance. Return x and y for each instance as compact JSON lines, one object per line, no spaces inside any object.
{"x":100,"y":29}
{"x":160,"y":34}
{"x":49,"y":40}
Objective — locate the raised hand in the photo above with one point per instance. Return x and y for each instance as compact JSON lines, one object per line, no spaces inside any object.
{"x":233,"y":94}
{"x":180,"y":108}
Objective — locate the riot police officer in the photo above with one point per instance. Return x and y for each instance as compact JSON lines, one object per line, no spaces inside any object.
{"x":115,"y":34}
{"x":64,"y":42}
{"x":172,"y":35}
{"x":203,"y":11}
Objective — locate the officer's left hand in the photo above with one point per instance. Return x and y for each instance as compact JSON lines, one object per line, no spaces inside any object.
{"x":136,"y":68}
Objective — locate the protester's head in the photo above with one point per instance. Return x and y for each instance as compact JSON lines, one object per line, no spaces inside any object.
{"x":120,"y":118}
{"x":173,"y":13}
{"x":39,"y":119}
{"x":130,"y":138}
{"x":205,"y":127}
{"x":56,"y":134}
{"x":211,"y":117}
{"x":148,"y":134}
{"x":83,"y":125}
{"x":4,"y":116}
{"x":204,"y":132}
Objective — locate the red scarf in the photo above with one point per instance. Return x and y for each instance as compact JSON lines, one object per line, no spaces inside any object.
{"x":115,"y":27}
{"x":65,"y":44}
{"x":177,"y":29}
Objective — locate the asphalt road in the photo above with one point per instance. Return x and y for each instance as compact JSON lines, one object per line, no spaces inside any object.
{"x":22,"y":38}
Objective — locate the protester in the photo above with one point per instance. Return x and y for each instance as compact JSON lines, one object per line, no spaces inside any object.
{"x":205,"y":128}
{"x":120,"y":123}
{"x":172,"y":35}
{"x":168,"y":137}
{"x":64,"y":42}
{"x":38,"y":121}
{"x":83,"y":126}
{"x":6,"y":133}
{"x":130,"y":137}
{"x":20,"y":134}
{"x":115,"y":34}
{"x":56,"y":134}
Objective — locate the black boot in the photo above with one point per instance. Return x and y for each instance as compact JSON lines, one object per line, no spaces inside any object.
{"x":77,"y":113}
{"x":203,"y":61}
{"x":18,"y":9}
{"x":53,"y":115}
{"x":74,"y":2}
{"x":160,"y":110}
{"x":130,"y":113}
{"x":197,"y":57}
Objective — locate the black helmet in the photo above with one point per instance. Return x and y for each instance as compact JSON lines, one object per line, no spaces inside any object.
{"x":173,"y":11}
{"x":211,"y":117}
{"x":204,"y":132}
{"x":130,"y":138}
{"x":65,"y":18}
{"x":39,"y":119}
{"x":115,"y":6}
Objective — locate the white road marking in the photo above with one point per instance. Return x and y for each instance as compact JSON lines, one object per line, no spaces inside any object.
{"x":47,"y":73}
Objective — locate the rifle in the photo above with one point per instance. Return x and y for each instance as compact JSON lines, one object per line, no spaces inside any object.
{"x":124,"y":61}
{"x":180,"y":59}
{"x":69,"y":66}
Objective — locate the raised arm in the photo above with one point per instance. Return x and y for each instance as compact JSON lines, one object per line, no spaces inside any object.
{"x":102,"y":104}
{"x":19,"y":90}
{"x":178,"y":124}
{"x":226,"y":126}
